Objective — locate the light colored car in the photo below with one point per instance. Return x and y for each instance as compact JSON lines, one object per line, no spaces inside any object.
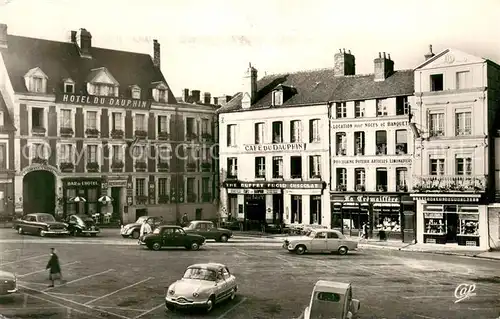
{"x":133,"y":229}
{"x":331,"y":299}
{"x":202,"y":286}
{"x":320,"y":240}
{"x":8,"y":283}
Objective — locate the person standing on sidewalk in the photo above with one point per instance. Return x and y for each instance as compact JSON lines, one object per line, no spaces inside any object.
{"x":145,"y":229}
{"x":55,"y":268}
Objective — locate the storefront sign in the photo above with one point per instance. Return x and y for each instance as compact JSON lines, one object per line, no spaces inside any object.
{"x":102,"y":101}
{"x":253,"y":191}
{"x":433,"y":215}
{"x":279,"y":185}
{"x":302,"y":191}
{"x":469,"y":217}
{"x":365,"y":198}
{"x":82,"y":183}
{"x":371,"y":124}
{"x":275,"y":147}
{"x":117,"y":183}
{"x":374,"y":160}
{"x":36,"y":167}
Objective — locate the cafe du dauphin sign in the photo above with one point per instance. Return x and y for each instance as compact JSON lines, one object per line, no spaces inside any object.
{"x":107,"y":101}
{"x":274,"y":147}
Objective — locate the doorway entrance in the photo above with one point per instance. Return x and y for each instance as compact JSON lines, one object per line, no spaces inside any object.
{"x":451,"y":227}
{"x":255,"y":211}
{"x":39,"y":192}
{"x":115,"y":195}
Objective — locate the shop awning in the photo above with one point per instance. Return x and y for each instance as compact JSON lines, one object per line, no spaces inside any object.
{"x":447,"y":197}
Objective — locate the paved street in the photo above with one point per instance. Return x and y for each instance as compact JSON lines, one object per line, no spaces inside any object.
{"x":126,"y":281}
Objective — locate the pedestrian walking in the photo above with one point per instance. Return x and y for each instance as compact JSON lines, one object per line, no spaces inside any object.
{"x":365,"y":231}
{"x":185,"y":220}
{"x":145,"y":229}
{"x":55,"y":268}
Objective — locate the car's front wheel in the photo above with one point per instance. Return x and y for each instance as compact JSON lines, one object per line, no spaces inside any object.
{"x":224,"y":238}
{"x":156,"y":246}
{"x":194,"y":246}
{"x":20,"y":231}
{"x":343,"y":250}
{"x":233,"y":294}
{"x":135,"y":234}
{"x":41,"y":233}
{"x":300,"y":249}
{"x":210,"y":304}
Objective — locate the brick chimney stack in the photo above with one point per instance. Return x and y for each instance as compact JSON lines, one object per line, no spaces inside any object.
{"x":249,"y":86}
{"x":185,"y":95}
{"x":430,"y":54}
{"x":84,"y":41}
{"x":345,"y":63}
{"x":195,"y":96}
{"x":73,"y":37}
{"x":156,"y":53}
{"x":207,"y":97}
{"x":384,"y":67}
{"x":3,"y":36}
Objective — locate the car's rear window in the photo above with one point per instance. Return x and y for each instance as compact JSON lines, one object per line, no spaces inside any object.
{"x":328,"y":296}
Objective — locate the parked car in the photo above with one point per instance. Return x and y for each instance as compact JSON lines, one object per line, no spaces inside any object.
{"x":330,"y":299}
{"x":133,"y":230}
{"x":40,"y":224}
{"x":172,"y":236}
{"x":320,"y":240}
{"x":8,"y":283}
{"x":208,"y":230}
{"x":82,"y":224}
{"x":202,"y":286}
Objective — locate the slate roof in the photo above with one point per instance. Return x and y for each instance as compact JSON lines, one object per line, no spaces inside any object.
{"x":321,"y":86}
{"x":7,"y":120}
{"x":61,"y":60}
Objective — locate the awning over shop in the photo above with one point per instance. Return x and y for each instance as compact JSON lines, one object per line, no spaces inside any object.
{"x":447,"y":197}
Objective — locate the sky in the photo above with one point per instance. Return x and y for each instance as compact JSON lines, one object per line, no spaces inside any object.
{"x":207,"y":45}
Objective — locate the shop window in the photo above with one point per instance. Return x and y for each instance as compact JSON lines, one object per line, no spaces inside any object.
{"x":341,"y":174}
{"x":295,"y":131}
{"x":341,"y":143}
{"x":387,"y":219}
{"x":359,"y":108}
{"x":360,"y":176}
{"x":437,"y":83}
{"x":191,"y":191}
{"x":402,"y":179}
{"x":436,"y":124}
{"x":315,"y":166}
{"x":434,"y":222}
{"x":315,"y":209}
{"x":277,"y":167}
{"x":381,"y":142}
{"x":260,"y":167}
{"x":259,"y":133}
{"x":296,"y":166}
{"x":463,"y":166}
{"x":381,"y":180}
{"x":37,"y":118}
{"x":341,"y":110}
{"x":232,"y":167}
{"x":381,"y":107}
{"x":402,"y":106}
{"x":359,"y":143}
{"x":117,"y":121}
{"x":140,"y":188}
{"x":314,"y":132}
{"x":296,"y":209}
{"x":437,"y":166}
{"x":463,"y":123}
{"x":231,"y":135}
{"x":463,"y":80}
{"x":401,"y":142}
{"x":468,"y":218}
{"x":277,"y":132}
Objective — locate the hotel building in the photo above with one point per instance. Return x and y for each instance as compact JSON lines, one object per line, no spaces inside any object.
{"x":103,"y":124}
{"x":372,"y":149}
{"x":455,"y":121}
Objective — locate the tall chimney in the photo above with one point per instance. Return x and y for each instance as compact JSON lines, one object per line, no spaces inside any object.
{"x":344,"y":63}
{"x":156,"y":53}
{"x":249,"y":87}
{"x":215,"y":101}
{"x":185,"y":95}
{"x":3,"y":36}
{"x":207,"y":97}
{"x":73,"y":36}
{"x":384,"y":67}
{"x":84,"y":43}
{"x":195,"y":95}
{"x":430,"y":54}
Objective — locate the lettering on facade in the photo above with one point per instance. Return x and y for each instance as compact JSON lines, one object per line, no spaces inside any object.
{"x":374,"y":124}
{"x":367,"y":198}
{"x":275,"y":147}
{"x":253,"y":191}
{"x":272,"y":185}
{"x":374,"y":160}
{"x":83,"y":183}
{"x":117,"y":183}
{"x":102,"y":101}
{"x":35,"y":168}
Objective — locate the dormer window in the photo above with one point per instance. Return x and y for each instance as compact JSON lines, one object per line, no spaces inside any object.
{"x":277,"y":98}
{"x":100,"y":82}
{"x":36,"y":81}
{"x":104,"y":90}
{"x":135,"y":92}
{"x":160,"y":92}
{"x":69,"y":86}
{"x":162,"y":95}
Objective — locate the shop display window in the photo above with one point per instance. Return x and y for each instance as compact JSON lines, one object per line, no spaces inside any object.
{"x":468,"y":225}
{"x":387,"y":221}
{"x":434,"y":224}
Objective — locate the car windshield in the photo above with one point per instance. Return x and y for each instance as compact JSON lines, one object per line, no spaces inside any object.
{"x":141,"y":219}
{"x":46,"y":218}
{"x":200,"y":274}
{"x":191,"y":225}
{"x":311,"y":234}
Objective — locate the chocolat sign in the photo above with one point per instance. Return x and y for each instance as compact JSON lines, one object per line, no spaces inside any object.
{"x":108,"y":101}
{"x":275,"y":147}
{"x":274,"y":185}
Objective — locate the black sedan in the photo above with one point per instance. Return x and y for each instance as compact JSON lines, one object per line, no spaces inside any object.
{"x":172,"y":236}
{"x":82,"y":224}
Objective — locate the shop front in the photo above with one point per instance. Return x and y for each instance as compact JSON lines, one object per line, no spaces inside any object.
{"x":388,"y":216}
{"x":86,"y":191}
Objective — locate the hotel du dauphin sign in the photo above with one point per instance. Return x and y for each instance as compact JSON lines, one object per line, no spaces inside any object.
{"x":105,"y":101}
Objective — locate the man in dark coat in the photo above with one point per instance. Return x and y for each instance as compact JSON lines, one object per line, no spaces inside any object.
{"x":185,"y":220}
{"x":55,"y":268}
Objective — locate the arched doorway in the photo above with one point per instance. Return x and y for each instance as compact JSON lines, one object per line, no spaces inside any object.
{"x":39,"y":192}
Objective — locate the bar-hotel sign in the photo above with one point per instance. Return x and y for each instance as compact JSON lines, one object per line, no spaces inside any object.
{"x":275,"y":185}
{"x":108,"y":101}
{"x":275,"y":147}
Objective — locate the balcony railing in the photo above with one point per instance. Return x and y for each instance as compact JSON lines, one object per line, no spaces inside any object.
{"x":450,"y":183}
{"x":92,"y":132}
{"x":341,"y":188}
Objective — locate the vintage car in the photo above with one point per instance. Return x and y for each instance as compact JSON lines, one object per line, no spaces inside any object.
{"x":82,"y":224}
{"x":331,"y":299}
{"x":320,"y":240}
{"x":208,"y":230}
{"x":40,"y":224}
{"x":8,"y":283}
{"x":202,"y":286}
{"x":133,"y":230}
{"x":172,"y":236}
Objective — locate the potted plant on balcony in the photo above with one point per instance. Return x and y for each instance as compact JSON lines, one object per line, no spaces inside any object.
{"x":140,"y":133}
{"x":206,"y":137}
{"x":402,"y":188}
{"x":66,"y":131}
{"x":190,"y":136}
{"x":140,"y":166}
{"x":381,"y":188}
{"x":163,"y":136}
{"x":141,"y":199}
{"x":92,"y":132}
{"x":92,"y":167}
{"x":117,"y":134}
{"x":341,"y":188}
{"x":66,"y":166}
{"x":117,"y":165}
{"x":163,"y":167}
{"x":163,"y":199}
{"x":360,"y":188}
{"x":191,"y":167}
{"x":39,"y":160}
{"x":38,"y":130}
{"x":206,"y":166}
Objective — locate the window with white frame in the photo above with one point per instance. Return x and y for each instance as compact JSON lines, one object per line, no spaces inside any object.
{"x":163,"y":154}
{"x":116,"y":121}
{"x":205,"y":185}
{"x":140,"y":187}
{"x":140,"y":122}
{"x":463,"y":123}
{"x":162,"y":95}
{"x":69,"y":87}
{"x":437,"y":166}
{"x":463,"y":80}
{"x":136,"y":92}
{"x":191,"y":189}
{"x":162,"y":124}
{"x":91,"y":153}
{"x":205,"y":126}
{"x":66,"y":153}
{"x":463,"y":165}
{"x":340,"y":110}
{"x":102,"y":89}
{"x":359,"y":143}
{"x":436,"y":124}
{"x":3,"y":156}
{"x":315,"y":166}
{"x":341,"y":174}
{"x":402,"y":105}
{"x":162,"y":187}
{"x":401,"y":179}
{"x":295,"y":131}
{"x":381,"y":142}
{"x":277,"y":97}
{"x":37,"y":117}
{"x":232,"y":167}
{"x":341,"y":143}
{"x":117,"y":153}
{"x":37,"y":85}
{"x":277,"y":167}
{"x":381,"y":107}
{"x":360,"y":178}
{"x":314,"y":131}
{"x":359,"y":108}
{"x":401,"y":142}
{"x":260,"y":167}
{"x":278,"y":132}
{"x":259,"y":133}
{"x":231,"y":135}
{"x":139,"y":153}
{"x":91,"y":120}
{"x":65,"y":121}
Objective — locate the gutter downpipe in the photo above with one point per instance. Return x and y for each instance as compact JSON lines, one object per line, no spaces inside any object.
{"x":328,"y":185}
